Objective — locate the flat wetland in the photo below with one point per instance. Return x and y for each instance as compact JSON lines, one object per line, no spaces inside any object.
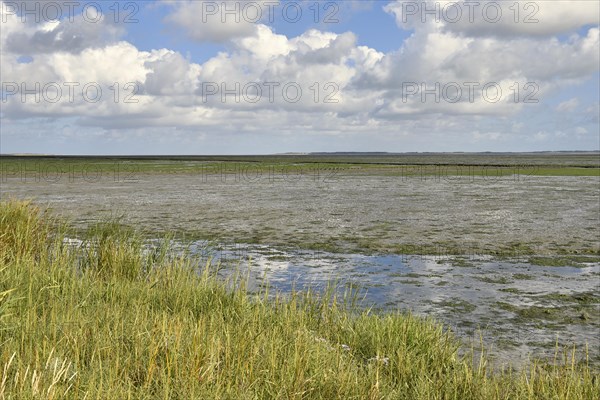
{"x":502,"y":247}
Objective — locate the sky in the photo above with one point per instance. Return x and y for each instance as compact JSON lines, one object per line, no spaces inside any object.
{"x":267,"y":76}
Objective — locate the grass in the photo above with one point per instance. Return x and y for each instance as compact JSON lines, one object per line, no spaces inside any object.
{"x":325,"y":168}
{"x":112,"y":318}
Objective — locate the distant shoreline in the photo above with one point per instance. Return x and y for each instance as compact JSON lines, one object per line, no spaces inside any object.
{"x":300,"y":154}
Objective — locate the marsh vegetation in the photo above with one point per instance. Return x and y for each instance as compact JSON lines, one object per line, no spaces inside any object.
{"x":115,"y":319}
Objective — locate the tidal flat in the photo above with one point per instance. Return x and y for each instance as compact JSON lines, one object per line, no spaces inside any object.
{"x":501,"y":248}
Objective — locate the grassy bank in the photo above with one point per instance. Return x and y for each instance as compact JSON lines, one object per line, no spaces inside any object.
{"x":111,"y":319}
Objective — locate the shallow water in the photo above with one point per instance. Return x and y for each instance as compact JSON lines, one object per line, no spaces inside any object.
{"x":346,"y":212}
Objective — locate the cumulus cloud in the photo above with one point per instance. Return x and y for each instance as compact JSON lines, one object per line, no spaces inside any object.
{"x":321,"y":65}
{"x":68,"y":36}
{"x":170,"y":74}
{"x":469,"y":71}
{"x":497,"y":18}
{"x":37,"y":34}
{"x":210,"y":22}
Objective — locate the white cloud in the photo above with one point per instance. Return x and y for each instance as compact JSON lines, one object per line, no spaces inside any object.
{"x":568,"y":105}
{"x":209,"y":21}
{"x":497,"y":18}
{"x":487,"y":136}
{"x":265,"y":44}
{"x":526,"y":70}
{"x":72,"y":36}
{"x":170,"y":74}
{"x":540,"y":136}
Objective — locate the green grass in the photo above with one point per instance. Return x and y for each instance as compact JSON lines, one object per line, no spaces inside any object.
{"x":112,"y":319}
{"x":441,"y":167}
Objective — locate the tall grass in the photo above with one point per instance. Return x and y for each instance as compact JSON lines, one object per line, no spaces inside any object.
{"x":110,"y":320}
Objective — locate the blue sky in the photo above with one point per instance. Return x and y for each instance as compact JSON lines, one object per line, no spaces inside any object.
{"x":346,"y":83}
